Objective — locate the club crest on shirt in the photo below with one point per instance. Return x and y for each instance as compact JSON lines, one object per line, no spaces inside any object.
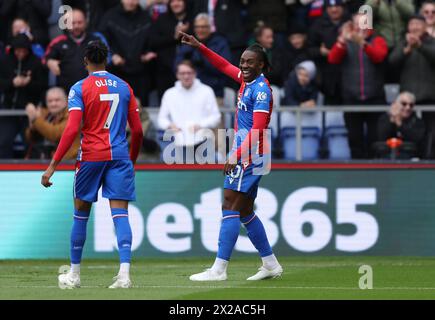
{"x":261,"y":96}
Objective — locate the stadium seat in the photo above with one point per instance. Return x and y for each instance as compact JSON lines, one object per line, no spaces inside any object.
{"x":336,"y":136}
{"x":230,"y":97}
{"x":308,"y":119}
{"x":310,"y":143}
{"x":311,"y":131}
{"x":337,"y":143}
{"x":334,"y":119}
{"x":229,"y":101}
{"x":19,"y":146}
{"x":276,"y":92}
{"x":274,"y":125}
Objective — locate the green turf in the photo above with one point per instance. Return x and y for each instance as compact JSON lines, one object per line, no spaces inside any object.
{"x":303,"y":278}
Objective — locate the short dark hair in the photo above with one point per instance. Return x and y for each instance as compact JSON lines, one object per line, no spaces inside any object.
{"x":428,"y":2}
{"x":186,"y":63}
{"x":258,"y":31}
{"x":261,"y":54}
{"x":96,"y":52}
{"x":417,"y":17}
{"x":82,"y":10}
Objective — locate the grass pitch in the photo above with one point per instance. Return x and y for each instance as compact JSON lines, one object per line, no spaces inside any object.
{"x":164,"y":279}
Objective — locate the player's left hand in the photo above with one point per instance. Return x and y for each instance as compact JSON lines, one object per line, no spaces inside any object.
{"x":189,"y":40}
{"x":45,"y":180}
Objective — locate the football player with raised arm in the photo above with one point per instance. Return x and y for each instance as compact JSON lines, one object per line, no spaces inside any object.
{"x":242,"y":168}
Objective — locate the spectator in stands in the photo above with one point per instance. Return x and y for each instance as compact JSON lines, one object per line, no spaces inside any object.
{"x":64,"y":54}
{"x":401,"y":122}
{"x":272,"y":13}
{"x":390,"y":18}
{"x":428,"y":12}
{"x":127,"y":28}
{"x":188,"y":107}
{"x":322,"y":36}
{"x":53,"y":19}
{"x":20,"y":25}
{"x":46,"y":126}
{"x":35,"y":12}
{"x":314,"y":9}
{"x":300,"y":87}
{"x":206,"y":72}
{"x":22,"y":79}
{"x":415,"y":57}
{"x":265,"y":37}
{"x":93,"y":10}
{"x":361,"y":53}
{"x":156,"y":8}
{"x":165,"y":39}
{"x":226,"y":19}
{"x":296,"y":49}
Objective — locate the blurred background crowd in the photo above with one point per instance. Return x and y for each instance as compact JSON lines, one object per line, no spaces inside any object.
{"x":321,"y":55}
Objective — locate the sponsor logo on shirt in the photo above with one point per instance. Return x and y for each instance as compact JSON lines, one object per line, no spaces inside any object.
{"x":261,"y":96}
{"x":241,"y":105}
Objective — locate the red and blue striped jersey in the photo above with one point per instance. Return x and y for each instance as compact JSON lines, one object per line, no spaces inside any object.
{"x":106,"y":102}
{"x":255,"y":96}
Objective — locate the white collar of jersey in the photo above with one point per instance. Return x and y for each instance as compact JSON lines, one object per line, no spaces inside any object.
{"x":253,"y":81}
{"x":98,"y":72}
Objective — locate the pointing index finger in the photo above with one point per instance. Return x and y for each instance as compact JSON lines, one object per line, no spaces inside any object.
{"x":183,"y":34}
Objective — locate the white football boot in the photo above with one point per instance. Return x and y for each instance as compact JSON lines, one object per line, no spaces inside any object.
{"x":209,"y":275}
{"x":69,"y":280}
{"x":121,"y":282}
{"x":264,"y":273}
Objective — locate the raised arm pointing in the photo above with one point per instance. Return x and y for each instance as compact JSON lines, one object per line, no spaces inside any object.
{"x":216,"y":60}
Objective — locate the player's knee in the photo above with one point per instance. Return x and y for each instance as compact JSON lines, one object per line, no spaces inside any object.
{"x":81,"y":205}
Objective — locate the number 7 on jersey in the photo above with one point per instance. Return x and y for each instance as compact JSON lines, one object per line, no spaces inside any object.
{"x":114,"y":98}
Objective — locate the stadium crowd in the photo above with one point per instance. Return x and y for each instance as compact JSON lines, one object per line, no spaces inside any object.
{"x":319,"y":54}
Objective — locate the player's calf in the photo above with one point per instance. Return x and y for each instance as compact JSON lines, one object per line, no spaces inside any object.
{"x":124,"y":239}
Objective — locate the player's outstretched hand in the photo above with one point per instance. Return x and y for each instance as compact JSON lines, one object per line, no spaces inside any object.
{"x":189,"y":40}
{"x":45,"y":180}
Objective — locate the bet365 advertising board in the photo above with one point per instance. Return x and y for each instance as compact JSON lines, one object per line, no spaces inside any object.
{"x":178,"y":213}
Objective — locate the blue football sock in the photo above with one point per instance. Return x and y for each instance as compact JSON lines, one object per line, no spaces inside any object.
{"x":78,"y":235}
{"x":257,"y":234}
{"x":228,"y":234}
{"x":123,"y":233}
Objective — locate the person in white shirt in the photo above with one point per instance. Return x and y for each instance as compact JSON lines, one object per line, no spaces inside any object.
{"x":188,"y":108}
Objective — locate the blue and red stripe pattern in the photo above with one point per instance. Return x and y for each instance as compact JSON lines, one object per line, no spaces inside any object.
{"x":106,"y":102}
